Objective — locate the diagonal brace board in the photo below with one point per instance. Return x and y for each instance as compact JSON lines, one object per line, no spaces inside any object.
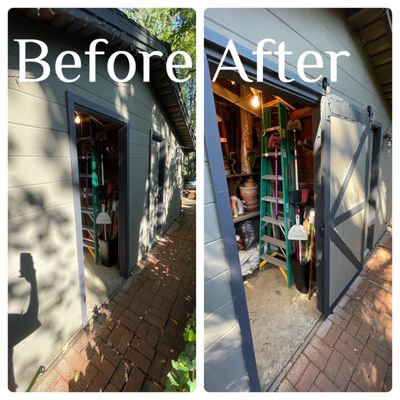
{"x":349,"y":173}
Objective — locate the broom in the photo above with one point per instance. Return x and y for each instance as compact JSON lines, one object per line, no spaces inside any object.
{"x":297,"y":231}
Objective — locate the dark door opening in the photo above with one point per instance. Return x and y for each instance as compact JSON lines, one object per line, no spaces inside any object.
{"x":157,"y":179}
{"x":99,"y":168}
{"x":250,"y":185}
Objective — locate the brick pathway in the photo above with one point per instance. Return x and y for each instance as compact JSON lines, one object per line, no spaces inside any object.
{"x":130,"y":345}
{"x":351,"y":350}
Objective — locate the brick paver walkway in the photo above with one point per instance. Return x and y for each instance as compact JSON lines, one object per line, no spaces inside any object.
{"x":130,"y":345}
{"x":352,"y":350}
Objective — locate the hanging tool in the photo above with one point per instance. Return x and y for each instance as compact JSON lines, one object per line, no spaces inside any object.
{"x":103,"y":218}
{"x":114,"y":218}
{"x":297,"y":231}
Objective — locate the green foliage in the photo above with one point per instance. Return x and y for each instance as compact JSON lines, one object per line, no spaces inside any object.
{"x":189,"y":167}
{"x":177,"y":27}
{"x":182,"y":377}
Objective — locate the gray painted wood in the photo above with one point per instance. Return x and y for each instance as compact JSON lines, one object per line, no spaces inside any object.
{"x":229,"y":378}
{"x":223,"y":363}
{"x":224,"y":367}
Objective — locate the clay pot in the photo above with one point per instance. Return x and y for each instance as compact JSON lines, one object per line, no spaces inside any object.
{"x":249,"y":193}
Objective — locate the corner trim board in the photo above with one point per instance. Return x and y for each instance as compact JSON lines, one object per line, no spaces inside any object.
{"x":213,"y":148}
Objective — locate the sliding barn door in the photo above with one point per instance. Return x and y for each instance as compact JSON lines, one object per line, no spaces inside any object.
{"x":343,"y":191}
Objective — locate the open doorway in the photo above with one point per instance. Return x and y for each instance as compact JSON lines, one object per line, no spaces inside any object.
{"x":99,"y":142}
{"x":256,"y":129}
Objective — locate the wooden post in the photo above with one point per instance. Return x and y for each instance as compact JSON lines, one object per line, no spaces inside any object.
{"x":223,"y":137}
{"x":246,"y":128}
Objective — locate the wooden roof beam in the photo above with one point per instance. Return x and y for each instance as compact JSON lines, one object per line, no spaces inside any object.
{"x":235,"y":99}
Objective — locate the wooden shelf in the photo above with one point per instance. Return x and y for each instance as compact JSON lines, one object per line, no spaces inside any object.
{"x":241,"y":175}
{"x":246,"y":215}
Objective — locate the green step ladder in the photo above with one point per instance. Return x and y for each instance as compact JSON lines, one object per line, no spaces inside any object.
{"x":90,"y":202}
{"x":275,"y":247}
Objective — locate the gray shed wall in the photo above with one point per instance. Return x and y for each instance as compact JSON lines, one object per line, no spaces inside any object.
{"x":224,"y":367}
{"x":318,"y":30}
{"x":41,"y":209}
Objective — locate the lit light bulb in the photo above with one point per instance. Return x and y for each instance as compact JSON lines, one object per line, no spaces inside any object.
{"x":255,"y":101}
{"x":77,"y":118}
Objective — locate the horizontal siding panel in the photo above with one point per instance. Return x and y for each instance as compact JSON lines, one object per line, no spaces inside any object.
{"x":58,"y":41}
{"x":328,"y":30}
{"x":53,"y":276}
{"x":220,"y":353}
{"x":138,"y":196}
{"x":215,"y":261}
{"x":140,"y":152}
{"x":30,"y":141}
{"x":212,"y":231}
{"x":138,"y":166}
{"x":137,"y":94}
{"x":54,"y":89}
{"x":46,"y":115}
{"x":208,"y":188}
{"x":219,"y":323}
{"x":138,"y":137}
{"x":24,"y":171}
{"x":232,"y":376}
{"x":36,"y":225}
{"x":50,"y":244}
{"x":139,"y":178}
{"x":217,"y":292}
{"x":25,"y":200}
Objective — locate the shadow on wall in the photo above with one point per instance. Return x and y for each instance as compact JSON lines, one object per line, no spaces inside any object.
{"x":41,"y":227}
{"x":20,"y":326}
{"x":145,"y":220}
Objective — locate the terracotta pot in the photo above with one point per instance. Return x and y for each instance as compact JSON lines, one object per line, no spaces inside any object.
{"x":250,"y":195}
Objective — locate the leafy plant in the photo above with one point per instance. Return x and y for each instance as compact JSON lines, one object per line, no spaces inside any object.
{"x":182,"y":377}
{"x":177,"y":27}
